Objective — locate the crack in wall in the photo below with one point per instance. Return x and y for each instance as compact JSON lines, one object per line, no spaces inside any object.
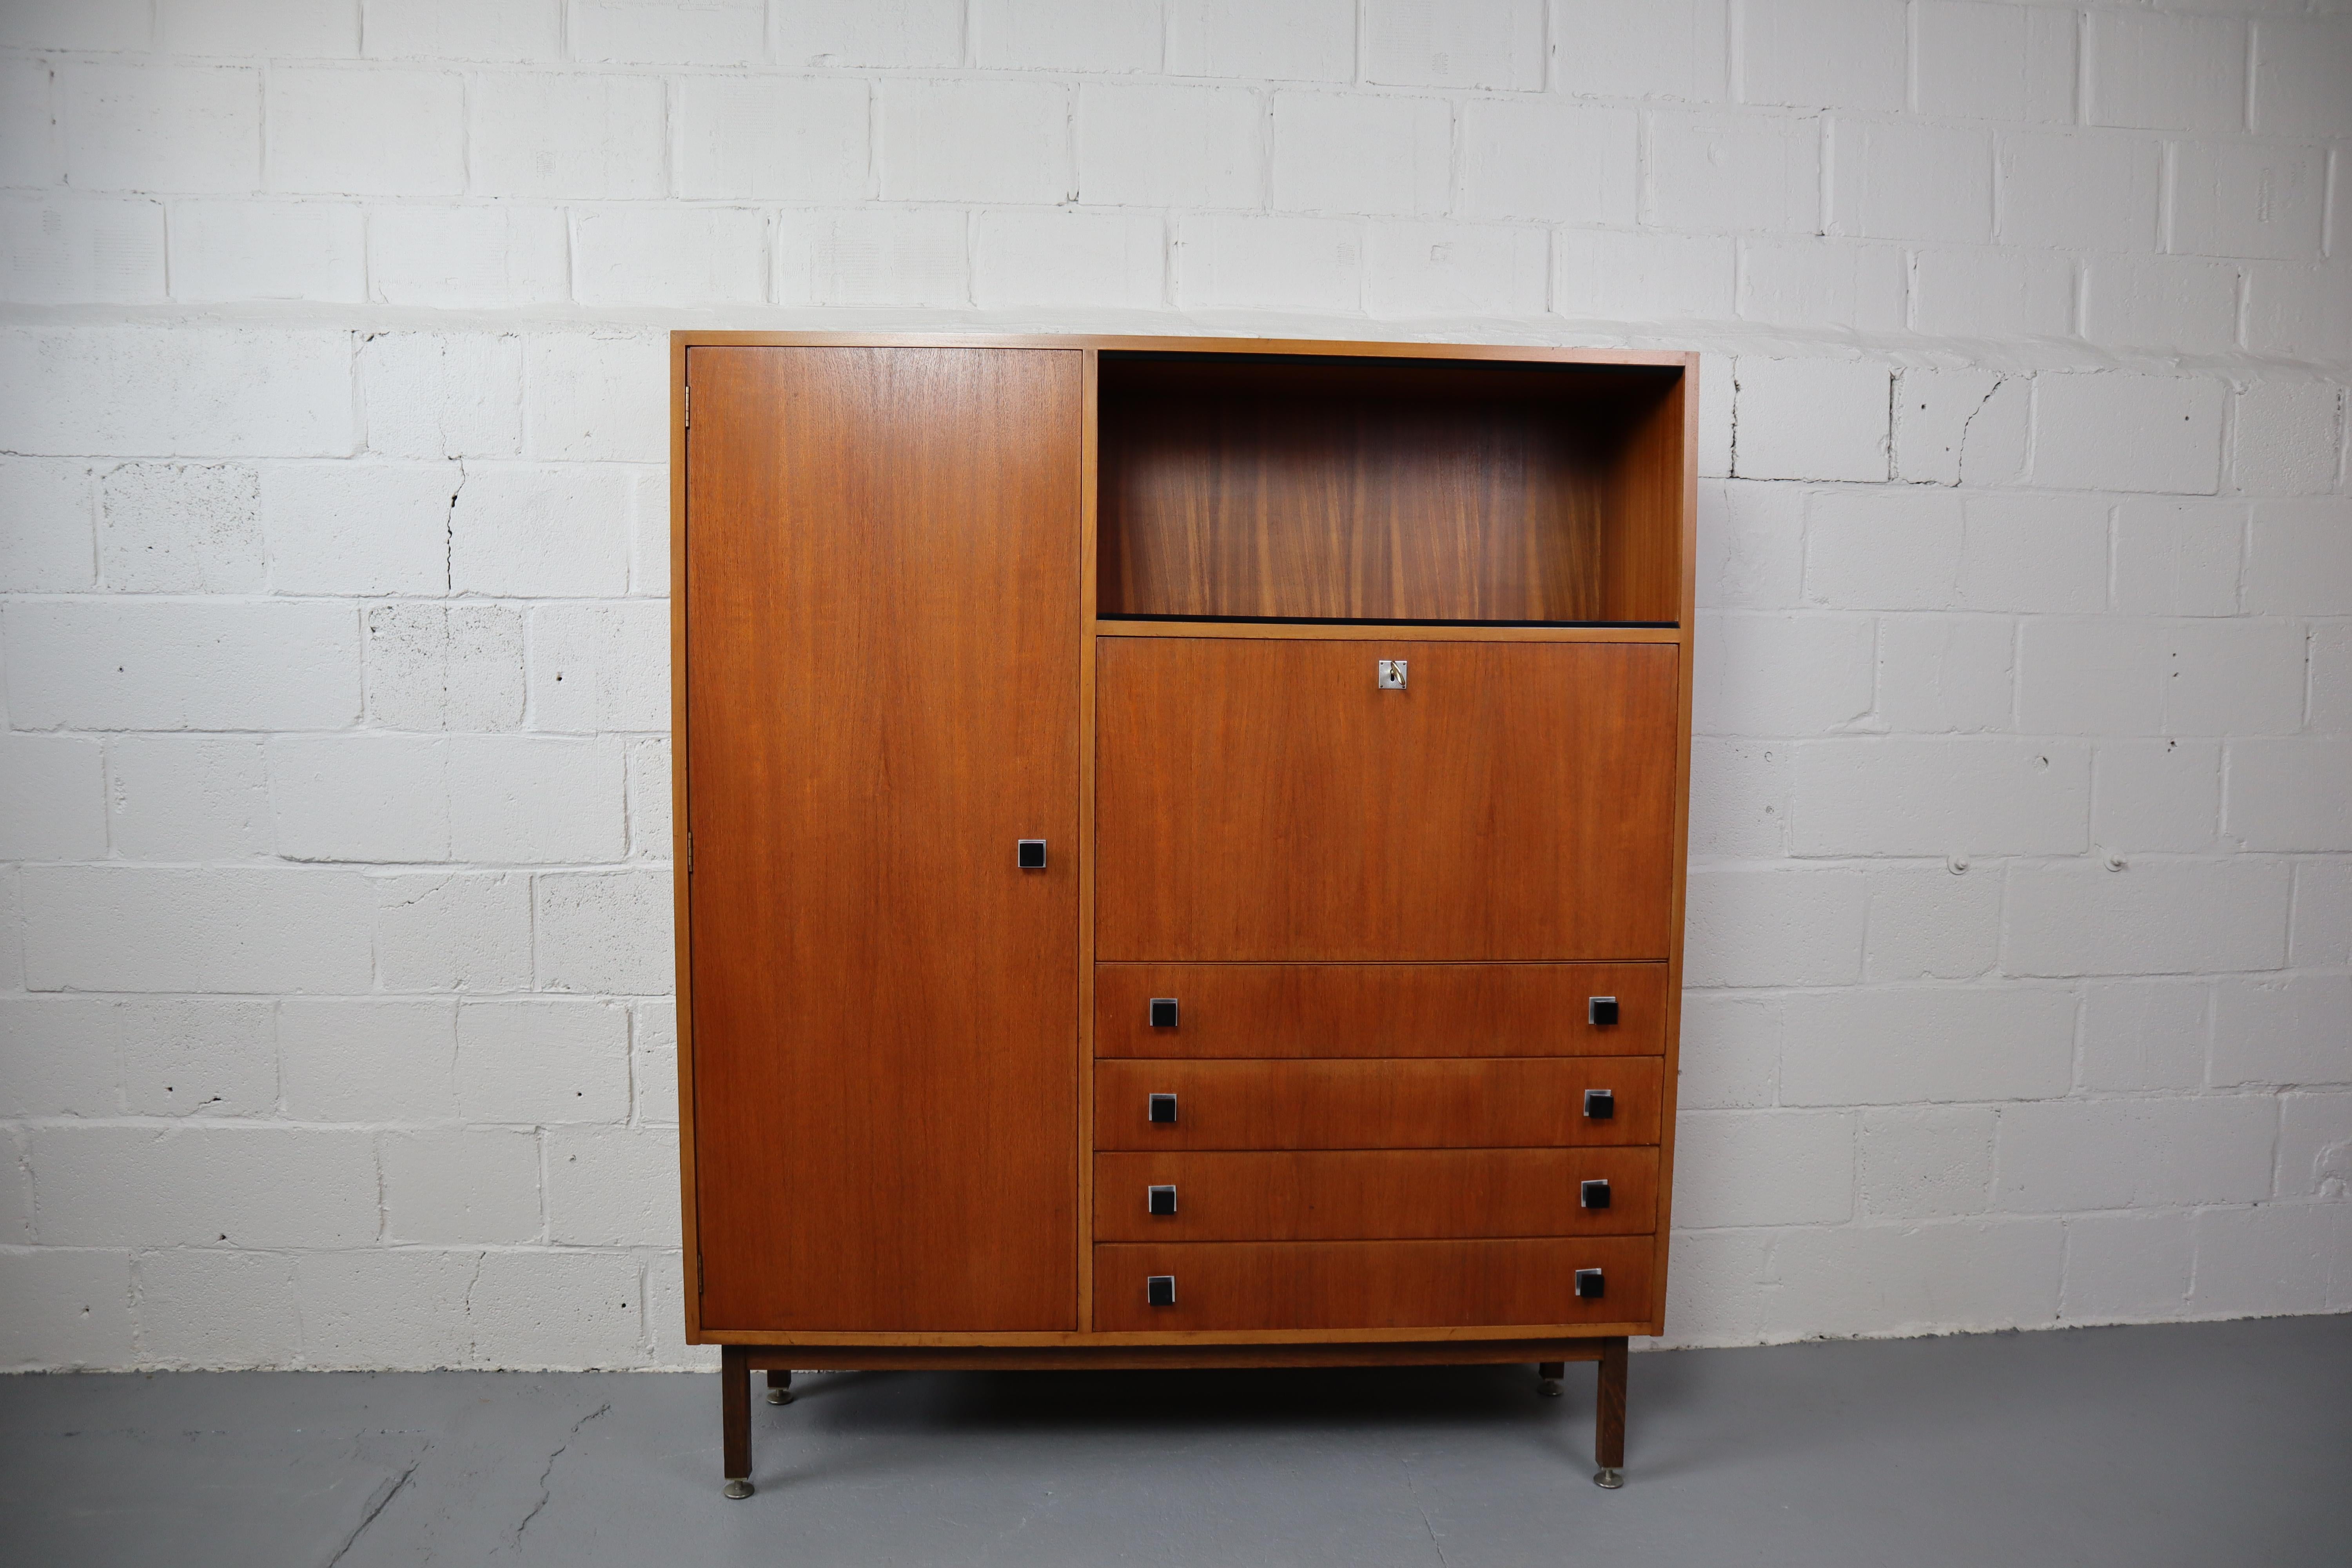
{"x":473,"y":1333}
{"x":1731,"y":456}
{"x":1960,"y":447}
{"x":449,"y":536}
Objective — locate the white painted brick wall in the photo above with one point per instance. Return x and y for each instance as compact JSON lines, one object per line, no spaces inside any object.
{"x":1994,"y":62}
{"x":2080,"y":190}
{"x":1822,"y":53}
{"x":1898,"y":180}
{"x":458,"y":256}
{"x":1065,"y":259}
{"x":88,"y":249}
{"x":1992,"y":293}
{"x":1532,"y":159}
{"x":367,"y":131}
{"x":267,"y":250}
{"x":973,"y":141}
{"x":1385,"y":154}
{"x":335,"y":1026}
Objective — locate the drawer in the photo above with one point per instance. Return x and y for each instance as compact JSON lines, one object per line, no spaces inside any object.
{"x":1365,"y":1194}
{"x":1371,"y":1284}
{"x":1380,"y":1009}
{"x":1479,"y":1102}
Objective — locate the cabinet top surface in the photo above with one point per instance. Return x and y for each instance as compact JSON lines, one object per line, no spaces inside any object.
{"x":1173,"y":344}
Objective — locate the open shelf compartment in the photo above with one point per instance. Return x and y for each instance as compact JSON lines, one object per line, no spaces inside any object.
{"x":1241,"y":486}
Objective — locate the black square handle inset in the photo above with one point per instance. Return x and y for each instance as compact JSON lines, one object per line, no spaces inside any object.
{"x":1159,"y":1108}
{"x":1163,"y":1012}
{"x":1159,"y":1200}
{"x":1600,"y":1104}
{"x":1594,"y":1194}
{"x":1602,"y":1011}
{"x":1587,"y":1285}
{"x":1029,"y":854}
{"x":1159,"y":1290}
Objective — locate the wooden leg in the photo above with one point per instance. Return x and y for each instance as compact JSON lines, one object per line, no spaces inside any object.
{"x":1609,"y":1423}
{"x":780,"y":1386}
{"x":1550,"y":1373}
{"x":735,"y":1416}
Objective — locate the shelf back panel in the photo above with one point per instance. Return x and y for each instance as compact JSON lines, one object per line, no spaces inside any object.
{"x":1406,"y":490}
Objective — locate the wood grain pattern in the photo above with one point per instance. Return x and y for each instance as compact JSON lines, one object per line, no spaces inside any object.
{"x":1309,"y":348}
{"x":1641,"y":562}
{"x":1370,"y":1284}
{"x":1089,"y":365}
{"x":1266,"y":801}
{"x":1244,"y":1010}
{"x":884,"y":634}
{"x":1493,"y":1103}
{"x":735,"y":1411}
{"x":1684,"y":460}
{"x":1355,"y":631}
{"x":1127,"y":1352}
{"x":1649,"y":468}
{"x":1609,"y":1406}
{"x":681,"y":853}
{"x":1374,"y":1195}
{"x":1238,"y":485}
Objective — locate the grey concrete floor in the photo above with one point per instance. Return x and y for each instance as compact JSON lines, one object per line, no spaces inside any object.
{"x":2218,"y":1445}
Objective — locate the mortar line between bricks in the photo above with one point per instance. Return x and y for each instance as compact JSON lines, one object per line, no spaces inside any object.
{"x":1733,"y":335}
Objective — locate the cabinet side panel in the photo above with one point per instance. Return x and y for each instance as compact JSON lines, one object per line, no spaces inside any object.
{"x":1640,"y":568}
{"x":1685,"y":673}
{"x":882,"y":633}
{"x":681,"y":913}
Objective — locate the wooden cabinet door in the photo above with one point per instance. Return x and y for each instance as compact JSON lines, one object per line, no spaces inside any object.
{"x":1266,"y":800}
{"x":882,"y":590}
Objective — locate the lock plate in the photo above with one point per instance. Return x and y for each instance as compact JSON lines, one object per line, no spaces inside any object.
{"x":1392,"y":675}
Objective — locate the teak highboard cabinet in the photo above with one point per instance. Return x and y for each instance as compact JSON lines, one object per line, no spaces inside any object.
{"x":1179,"y":852}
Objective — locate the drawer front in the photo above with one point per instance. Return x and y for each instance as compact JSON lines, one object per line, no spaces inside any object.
{"x":1371,"y":1284}
{"x":1488,"y":1102}
{"x":1269,"y":801}
{"x":1381,"y":1009}
{"x":1367,"y":1194}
